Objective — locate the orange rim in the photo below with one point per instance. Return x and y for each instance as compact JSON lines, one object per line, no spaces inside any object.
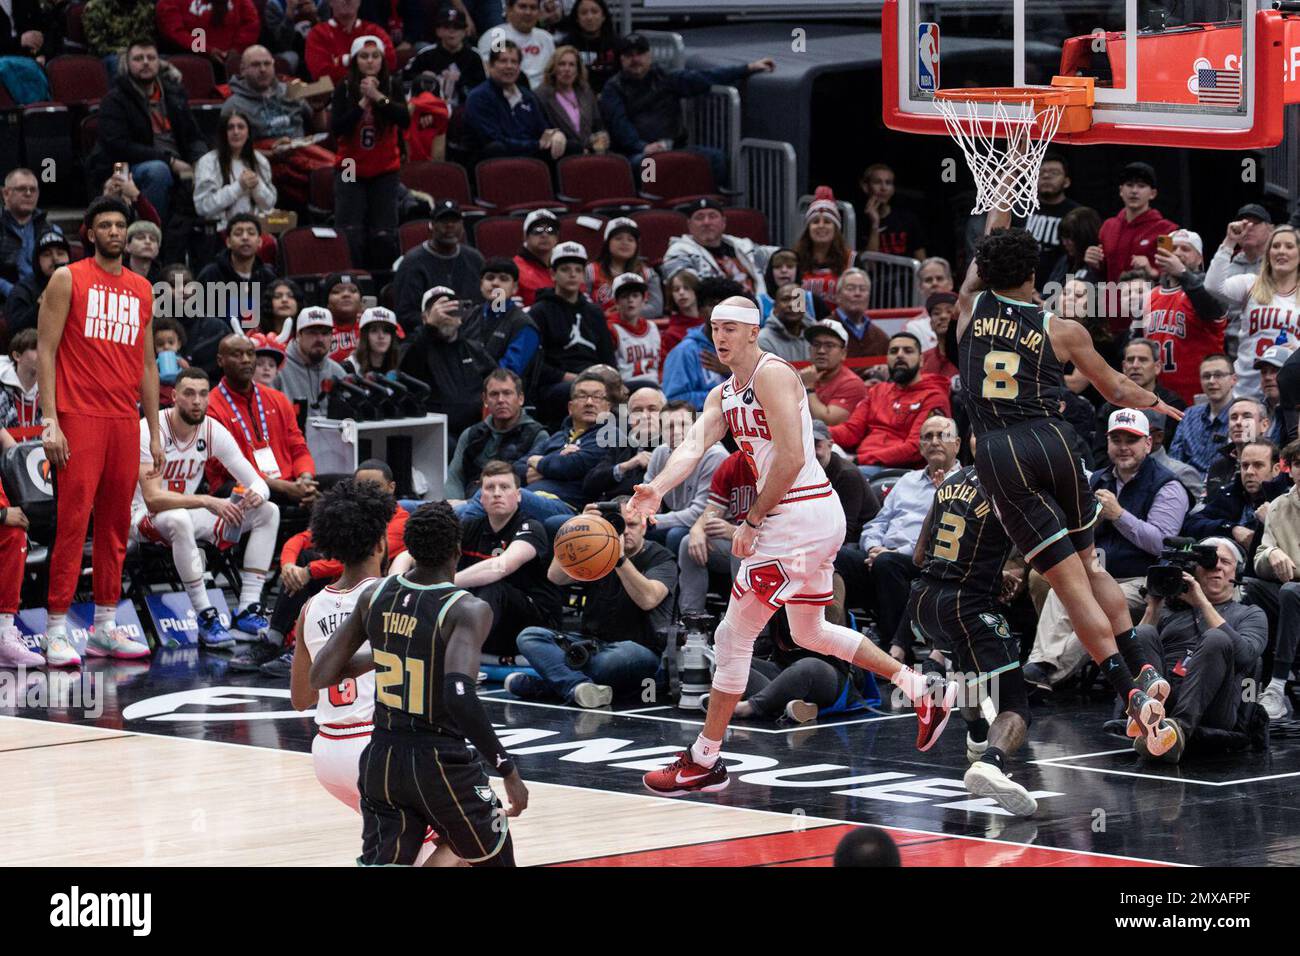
{"x":1072,"y":95}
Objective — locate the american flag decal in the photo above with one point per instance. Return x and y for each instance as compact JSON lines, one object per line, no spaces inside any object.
{"x":1218,"y":87}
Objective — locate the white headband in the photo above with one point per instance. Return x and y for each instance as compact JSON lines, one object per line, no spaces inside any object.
{"x":736,"y":313}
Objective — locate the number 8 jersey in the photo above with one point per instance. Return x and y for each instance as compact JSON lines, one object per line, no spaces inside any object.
{"x":1009,"y":372}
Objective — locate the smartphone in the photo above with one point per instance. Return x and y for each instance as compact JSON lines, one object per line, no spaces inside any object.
{"x":1165,"y":242}
{"x":120,"y":170}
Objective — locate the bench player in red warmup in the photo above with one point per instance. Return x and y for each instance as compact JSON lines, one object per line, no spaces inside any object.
{"x":787,"y":543}
{"x":95,"y":365}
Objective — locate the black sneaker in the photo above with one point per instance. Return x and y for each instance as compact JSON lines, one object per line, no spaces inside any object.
{"x":527,"y":687}
{"x":282,"y":666}
{"x":1036,"y":677}
{"x":252,"y":656}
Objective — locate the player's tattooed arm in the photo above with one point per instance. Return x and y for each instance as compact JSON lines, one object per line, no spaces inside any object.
{"x":338,"y":656}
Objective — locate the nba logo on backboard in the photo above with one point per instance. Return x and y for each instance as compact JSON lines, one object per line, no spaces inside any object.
{"x":927,"y":57}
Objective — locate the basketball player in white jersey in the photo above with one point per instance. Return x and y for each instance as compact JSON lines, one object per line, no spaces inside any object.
{"x":787,"y":543}
{"x":167,"y":511}
{"x":349,"y":524}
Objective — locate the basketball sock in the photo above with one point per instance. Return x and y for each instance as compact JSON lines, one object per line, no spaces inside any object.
{"x":1131,"y":650}
{"x":1115,"y":670}
{"x":250,"y":588}
{"x":705,"y":752}
{"x":57,"y":626}
{"x":6,"y":620}
{"x":994,"y":756}
{"x":911,"y":683}
{"x":198,"y":595}
{"x":105,"y":619}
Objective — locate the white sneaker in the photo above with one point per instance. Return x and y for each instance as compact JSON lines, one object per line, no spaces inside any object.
{"x":800,"y":711}
{"x":1274,"y":703}
{"x":14,"y":653}
{"x":985,"y":780}
{"x":116,"y":643}
{"x":59,"y":652}
{"x":975,"y":749}
{"x":593,"y":695}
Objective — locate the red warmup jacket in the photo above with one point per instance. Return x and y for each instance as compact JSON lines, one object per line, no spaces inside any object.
{"x":328,"y":567}
{"x":533,"y":276}
{"x":886,"y":426}
{"x":1121,"y":240}
{"x":286,"y":438}
{"x":178,"y":19}
{"x":430,"y":117}
{"x":329,"y":46}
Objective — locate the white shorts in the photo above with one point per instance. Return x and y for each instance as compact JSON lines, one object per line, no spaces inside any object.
{"x":207,"y":527}
{"x":794,"y":555}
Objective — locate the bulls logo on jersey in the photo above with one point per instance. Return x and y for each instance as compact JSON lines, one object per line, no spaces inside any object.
{"x":766,"y":580}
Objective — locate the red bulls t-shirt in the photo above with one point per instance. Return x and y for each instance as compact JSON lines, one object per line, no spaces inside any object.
{"x":100,"y":359}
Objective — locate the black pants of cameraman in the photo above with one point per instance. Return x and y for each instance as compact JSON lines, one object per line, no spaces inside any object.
{"x":1206,"y":697}
{"x":1281,"y":604}
{"x":771,"y":687}
{"x":512,"y":611}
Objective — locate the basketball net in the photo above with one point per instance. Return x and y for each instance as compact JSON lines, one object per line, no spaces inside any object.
{"x":1004,"y":150}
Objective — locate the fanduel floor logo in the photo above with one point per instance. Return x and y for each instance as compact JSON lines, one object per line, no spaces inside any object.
{"x":77,"y":909}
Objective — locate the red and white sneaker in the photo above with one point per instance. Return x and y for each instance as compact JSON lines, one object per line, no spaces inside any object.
{"x":933,"y":708}
{"x":684,"y":775}
{"x":1151,"y":683}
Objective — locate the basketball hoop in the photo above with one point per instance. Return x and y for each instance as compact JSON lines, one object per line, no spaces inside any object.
{"x":1004,"y":133}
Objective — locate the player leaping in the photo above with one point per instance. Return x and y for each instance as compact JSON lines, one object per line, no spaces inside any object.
{"x":787,"y":543}
{"x":1011,"y":354}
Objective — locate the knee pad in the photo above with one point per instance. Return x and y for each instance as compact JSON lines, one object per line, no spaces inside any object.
{"x":733,"y":643}
{"x":811,"y":630}
{"x":175,"y":523}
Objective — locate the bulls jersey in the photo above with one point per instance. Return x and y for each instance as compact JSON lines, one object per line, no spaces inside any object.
{"x":1261,"y":324}
{"x":343,"y":341}
{"x":637,"y":351}
{"x":186,"y":461}
{"x":1009,"y":372}
{"x":748,"y":423}
{"x":409,"y":645}
{"x":1184,"y":339}
{"x":967,"y":544}
{"x":352,"y":701}
{"x":732,"y":488}
{"x":100,"y":359}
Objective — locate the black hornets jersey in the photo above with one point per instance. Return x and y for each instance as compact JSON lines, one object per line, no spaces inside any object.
{"x":1009,"y":373}
{"x":967,"y":545}
{"x":405,"y":628}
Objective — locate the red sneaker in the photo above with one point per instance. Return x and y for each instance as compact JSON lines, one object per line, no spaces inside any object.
{"x":932,"y":712}
{"x":684,"y":775}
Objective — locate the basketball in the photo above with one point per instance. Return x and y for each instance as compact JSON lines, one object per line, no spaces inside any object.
{"x":587,"y":547}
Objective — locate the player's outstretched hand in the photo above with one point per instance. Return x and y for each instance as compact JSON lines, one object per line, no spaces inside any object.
{"x":55,"y":445}
{"x":645,"y":501}
{"x":1166,"y":409}
{"x":517,"y":794}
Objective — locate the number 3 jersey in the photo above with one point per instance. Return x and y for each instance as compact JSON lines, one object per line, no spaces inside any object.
{"x":1009,"y":372}
{"x":967,"y":545}
{"x":353,"y":700}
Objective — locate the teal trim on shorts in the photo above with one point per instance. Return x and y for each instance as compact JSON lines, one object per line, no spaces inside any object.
{"x":1050,"y":541}
{"x":1092,"y":521}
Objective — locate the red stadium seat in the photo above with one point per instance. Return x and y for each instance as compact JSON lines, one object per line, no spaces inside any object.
{"x":658,"y":228}
{"x":77,"y":79}
{"x":498,"y":236}
{"x":516,"y":186}
{"x":74,"y":28}
{"x":591,"y":236}
{"x":441,"y":181}
{"x":197,"y":76}
{"x":600,"y":183}
{"x":305,"y":253}
{"x":411,"y":234}
{"x":747,"y":223}
{"x":320,"y":193}
{"x":680,"y":177}
{"x":89,"y":134}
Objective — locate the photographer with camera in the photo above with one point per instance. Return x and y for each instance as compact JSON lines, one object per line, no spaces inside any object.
{"x":450,"y":364}
{"x":1208,"y":641}
{"x":625,"y":615}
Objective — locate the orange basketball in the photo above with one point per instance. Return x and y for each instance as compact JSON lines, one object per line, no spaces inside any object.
{"x":587,"y":547}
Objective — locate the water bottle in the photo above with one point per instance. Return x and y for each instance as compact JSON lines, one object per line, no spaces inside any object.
{"x":695,"y":664}
{"x":231,"y":532}
{"x":169,"y":367}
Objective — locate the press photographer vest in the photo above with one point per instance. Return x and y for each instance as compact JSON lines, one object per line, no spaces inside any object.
{"x":1124,"y":559}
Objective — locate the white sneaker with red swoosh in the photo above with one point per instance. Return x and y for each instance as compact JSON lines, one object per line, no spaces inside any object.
{"x":684,"y":775}
{"x":933,"y":708}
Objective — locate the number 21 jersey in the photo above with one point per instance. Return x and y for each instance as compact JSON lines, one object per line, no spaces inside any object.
{"x":1009,"y":372}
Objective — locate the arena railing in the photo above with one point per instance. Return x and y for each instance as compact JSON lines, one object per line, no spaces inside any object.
{"x":714,"y":120}
{"x":768,"y":170}
{"x":894,"y":282}
{"x":667,"y":48}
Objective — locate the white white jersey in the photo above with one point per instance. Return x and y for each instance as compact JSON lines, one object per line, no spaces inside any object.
{"x":1261,"y":323}
{"x":353,"y":701}
{"x":185,"y":462}
{"x":748,"y":423}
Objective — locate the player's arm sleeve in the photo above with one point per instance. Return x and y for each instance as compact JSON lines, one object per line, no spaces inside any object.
{"x":234,"y":461}
{"x":470,"y":623}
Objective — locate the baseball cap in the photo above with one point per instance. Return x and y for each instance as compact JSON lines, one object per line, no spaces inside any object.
{"x":1157,"y":420}
{"x":434,"y":294}
{"x":447,"y":209}
{"x":1129,"y":420}
{"x":628,"y":280}
{"x":568,"y":252}
{"x":1193,"y":239}
{"x":1138,"y":172}
{"x":622,"y":222}
{"x":360,"y":42}
{"x":820,"y":430}
{"x":1253,"y":210}
{"x":264,"y":344}
{"x":825,"y":326}
{"x":634,"y":43}
{"x":1275,"y":355}
{"x":338,"y":278}
{"x":939,"y":298}
{"x":314,"y":316}
{"x":450,"y":17}
{"x":537,"y":215}
{"x":51,"y":238}
{"x":695,"y":205}
{"x":377,"y":313}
